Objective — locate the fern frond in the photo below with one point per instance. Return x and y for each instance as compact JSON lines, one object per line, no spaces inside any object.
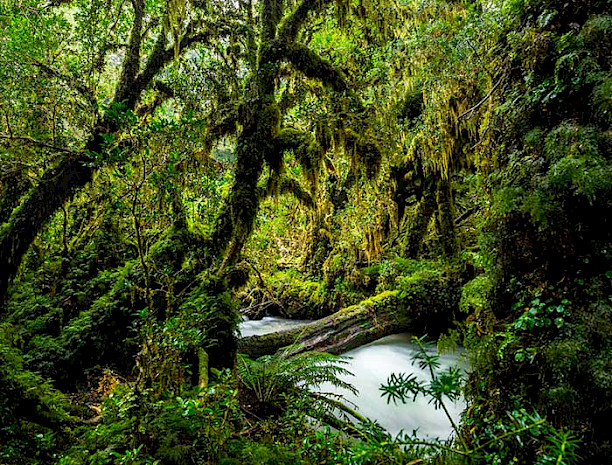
{"x":269,"y":377}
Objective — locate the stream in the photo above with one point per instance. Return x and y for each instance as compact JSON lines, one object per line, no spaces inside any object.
{"x":371,"y":365}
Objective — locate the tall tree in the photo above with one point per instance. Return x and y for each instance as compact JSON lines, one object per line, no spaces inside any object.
{"x":263,"y":140}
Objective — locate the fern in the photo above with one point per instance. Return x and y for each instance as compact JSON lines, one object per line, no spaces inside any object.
{"x":271,"y":377}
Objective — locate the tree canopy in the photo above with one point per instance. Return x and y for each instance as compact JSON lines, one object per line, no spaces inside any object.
{"x":171,"y":167}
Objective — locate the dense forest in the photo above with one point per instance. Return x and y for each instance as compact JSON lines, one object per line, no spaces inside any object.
{"x":171,"y":168}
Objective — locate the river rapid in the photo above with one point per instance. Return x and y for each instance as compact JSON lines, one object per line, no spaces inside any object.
{"x":371,"y":365}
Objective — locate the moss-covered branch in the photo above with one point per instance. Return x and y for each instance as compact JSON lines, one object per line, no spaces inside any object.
{"x":287,"y":185}
{"x":131,"y":61}
{"x":305,"y":148}
{"x":293,"y":22}
{"x":314,"y":66}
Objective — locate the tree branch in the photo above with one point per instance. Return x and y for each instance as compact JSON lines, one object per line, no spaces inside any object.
{"x":271,"y":16}
{"x":287,"y":185}
{"x":36,"y":142}
{"x":292,"y":23}
{"x":71,"y":81}
{"x":131,"y":64}
{"x":161,"y":55}
{"x":164,"y":92}
{"x":314,"y":66}
{"x":475,"y":107}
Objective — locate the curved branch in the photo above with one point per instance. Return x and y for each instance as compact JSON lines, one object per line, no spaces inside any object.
{"x":314,"y":66}
{"x":292,"y":23}
{"x":484,"y":99}
{"x":287,"y":185}
{"x":163,"y":93}
{"x":292,"y":139}
{"x":162,"y":56}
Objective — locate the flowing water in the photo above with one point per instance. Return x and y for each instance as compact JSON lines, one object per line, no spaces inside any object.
{"x":371,"y":365}
{"x":269,"y":324}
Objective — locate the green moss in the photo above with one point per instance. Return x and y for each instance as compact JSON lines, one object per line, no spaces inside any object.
{"x":365,"y":152}
{"x":301,"y":298}
{"x":601,"y":98}
{"x":306,"y":150}
{"x":596,"y":34}
{"x":476,"y":295}
{"x":384,"y":299}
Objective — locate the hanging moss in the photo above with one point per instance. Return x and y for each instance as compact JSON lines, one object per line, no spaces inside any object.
{"x":313,"y":66}
{"x":306,"y":150}
{"x":412,"y":105}
{"x":291,"y":186}
{"x":445,"y":219}
{"x":365,"y":153}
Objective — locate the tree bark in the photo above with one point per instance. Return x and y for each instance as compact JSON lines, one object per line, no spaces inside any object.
{"x":418,"y":228}
{"x":75,"y":170}
{"x":344,"y":330}
{"x":445,"y":219}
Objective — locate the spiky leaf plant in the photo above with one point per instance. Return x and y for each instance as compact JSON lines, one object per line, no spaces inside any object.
{"x":268,"y":379}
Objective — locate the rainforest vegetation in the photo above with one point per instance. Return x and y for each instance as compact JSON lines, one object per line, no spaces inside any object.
{"x":171,"y":167}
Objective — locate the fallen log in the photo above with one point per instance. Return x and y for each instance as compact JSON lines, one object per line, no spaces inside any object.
{"x":424,"y":306}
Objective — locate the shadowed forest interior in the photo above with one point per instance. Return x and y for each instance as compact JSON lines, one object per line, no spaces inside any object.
{"x":205,"y":205}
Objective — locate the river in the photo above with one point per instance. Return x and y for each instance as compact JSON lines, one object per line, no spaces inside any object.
{"x":371,"y":365}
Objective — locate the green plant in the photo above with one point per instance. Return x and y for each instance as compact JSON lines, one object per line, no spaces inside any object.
{"x":540,"y":314}
{"x":491,"y":443}
{"x":131,"y":457}
{"x":447,"y":384}
{"x":268,"y":378}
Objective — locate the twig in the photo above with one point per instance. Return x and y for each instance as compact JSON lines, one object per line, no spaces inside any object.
{"x":430,"y":444}
{"x":263,"y":285}
{"x":475,"y":107}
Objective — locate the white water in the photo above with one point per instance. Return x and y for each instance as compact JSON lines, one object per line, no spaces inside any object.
{"x":371,"y":365}
{"x":269,"y":324}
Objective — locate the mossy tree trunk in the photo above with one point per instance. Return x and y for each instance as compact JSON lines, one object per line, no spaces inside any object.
{"x":56,"y":186}
{"x":260,"y":142}
{"x":12,"y":188}
{"x":445,"y":219}
{"x":344,"y":330}
{"x":320,"y":245}
{"x":419,"y":223}
{"x":436,"y":203}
